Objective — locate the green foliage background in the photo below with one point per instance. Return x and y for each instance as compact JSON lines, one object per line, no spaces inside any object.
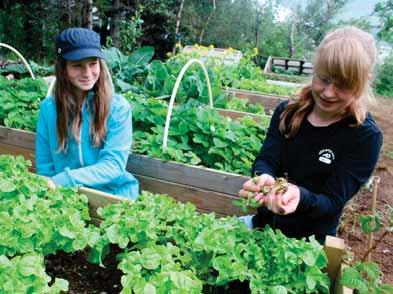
{"x":32,"y":26}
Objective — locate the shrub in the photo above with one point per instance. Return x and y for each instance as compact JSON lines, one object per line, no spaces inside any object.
{"x":384,"y":81}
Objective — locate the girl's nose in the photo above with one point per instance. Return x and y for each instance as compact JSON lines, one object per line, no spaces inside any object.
{"x":86,"y":70}
{"x":329,"y":90}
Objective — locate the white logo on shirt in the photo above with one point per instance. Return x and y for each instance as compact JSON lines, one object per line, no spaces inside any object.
{"x":326,"y":156}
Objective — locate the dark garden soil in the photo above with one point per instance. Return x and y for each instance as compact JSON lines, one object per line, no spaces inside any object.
{"x":85,"y":277}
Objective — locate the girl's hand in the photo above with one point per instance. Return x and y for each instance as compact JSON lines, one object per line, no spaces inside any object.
{"x":284,"y":203}
{"x":254,"y":186}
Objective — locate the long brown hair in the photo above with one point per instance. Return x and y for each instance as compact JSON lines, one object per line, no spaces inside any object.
{"x":347,"y":56}
{"x":69,"y":108}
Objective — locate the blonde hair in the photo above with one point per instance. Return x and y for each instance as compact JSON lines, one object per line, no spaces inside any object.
{"x":69,"y":109}
{"x":347,"y":56}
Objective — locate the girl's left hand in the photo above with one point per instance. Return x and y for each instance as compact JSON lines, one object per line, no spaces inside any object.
{"x":289,"y":200}
{"x":284,"y":203}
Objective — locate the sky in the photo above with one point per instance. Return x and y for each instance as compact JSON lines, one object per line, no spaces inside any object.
{"x":353,"y":9}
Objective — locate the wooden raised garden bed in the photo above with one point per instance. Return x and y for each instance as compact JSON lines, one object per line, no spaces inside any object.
{"x":268,"y":101}
{"x":208,"y":189}
{"x":298,"y":66}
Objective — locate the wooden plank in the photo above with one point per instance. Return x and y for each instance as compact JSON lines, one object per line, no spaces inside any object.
{"x":340,"y":289}
{"x":203,"y":199}
{"x":269,"y":102}
{"x":237,"y":115}
{"x":99,"y":199}
{"x":288,"y":78}
{"x":194,"y":176}
{"x":3,"y":133}
{"x":95,"y":221}
{"x":17,"y":137}
{"x":301,"y":66}
{"x":284,"y":84}
{"x":268,"y":65}
{"x":334,"y":249}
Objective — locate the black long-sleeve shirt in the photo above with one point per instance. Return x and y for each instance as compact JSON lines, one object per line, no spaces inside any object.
{"x":328,"y":164}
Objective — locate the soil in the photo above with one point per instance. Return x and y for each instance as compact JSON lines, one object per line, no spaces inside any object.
{"x":350,"y":230}
{"x":83,"y":276}
{"x":88,"y":278}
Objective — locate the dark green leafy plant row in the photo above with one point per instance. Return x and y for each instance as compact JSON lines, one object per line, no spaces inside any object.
{"x":156,"y":79}
{"x":198,"y":135}
{"x":20,"y":102}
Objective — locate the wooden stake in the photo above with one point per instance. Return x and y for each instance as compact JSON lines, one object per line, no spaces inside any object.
{"x":375,"y":183}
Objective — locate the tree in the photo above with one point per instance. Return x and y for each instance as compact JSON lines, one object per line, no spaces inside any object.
{"x":315,"y":20}
{"x":385,"y":12}
{"x":178,"y":18}
{"x":87,"y":14}
{"x":207,"y":21}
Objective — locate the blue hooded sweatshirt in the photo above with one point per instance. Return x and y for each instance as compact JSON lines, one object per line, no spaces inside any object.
{"x":83,"y":164}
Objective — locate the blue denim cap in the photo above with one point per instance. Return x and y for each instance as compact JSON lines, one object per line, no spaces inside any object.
{"x":78,"y":43}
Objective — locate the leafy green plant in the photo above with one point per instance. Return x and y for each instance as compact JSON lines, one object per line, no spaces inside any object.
{"x":168,"y":245}
{"x":126,"y":69}
{"x":363,"y":276}
{"x":198,"y":135}
{"x":130,"y":32}
{"x":384,"y":81}
{"x":20,"y":102}
{"x":157,"y":269}
{"x":26,"y":274}
{"x":157,"y":78}
{"x":264,"y":87}
{"x":243,"y":105}
{"x":28,"y":206}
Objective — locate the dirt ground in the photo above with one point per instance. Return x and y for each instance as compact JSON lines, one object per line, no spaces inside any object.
{"x":361,"y":204}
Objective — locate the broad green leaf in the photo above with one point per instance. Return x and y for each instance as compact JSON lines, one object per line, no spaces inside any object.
{"x":141,"y":56}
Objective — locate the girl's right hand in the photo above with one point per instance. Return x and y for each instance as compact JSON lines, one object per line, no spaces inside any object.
{"x":255,"y":187}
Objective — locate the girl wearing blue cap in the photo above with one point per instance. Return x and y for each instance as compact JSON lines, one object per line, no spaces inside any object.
{"x":84,"y":129}
{"x":325,"y":142}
